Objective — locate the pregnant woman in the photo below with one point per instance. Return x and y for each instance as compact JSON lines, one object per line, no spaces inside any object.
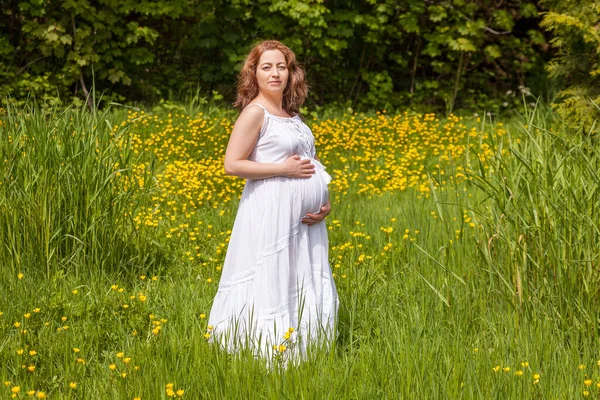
{"x":276,"y":294}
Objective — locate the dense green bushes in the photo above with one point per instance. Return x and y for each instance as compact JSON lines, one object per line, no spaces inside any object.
{"x":363,"y":54}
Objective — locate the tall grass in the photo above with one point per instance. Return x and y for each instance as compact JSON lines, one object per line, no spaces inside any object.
{"x":542,"y":220}
{"x":484,"y":287}
{"x":63,"y":204}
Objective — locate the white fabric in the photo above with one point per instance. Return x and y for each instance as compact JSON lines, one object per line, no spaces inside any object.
{"x":276,"y":273}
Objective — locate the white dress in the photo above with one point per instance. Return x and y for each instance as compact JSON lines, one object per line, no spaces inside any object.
{"x":276,"y":273}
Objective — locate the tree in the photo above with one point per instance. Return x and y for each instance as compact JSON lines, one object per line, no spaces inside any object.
{"x":575,"y":26}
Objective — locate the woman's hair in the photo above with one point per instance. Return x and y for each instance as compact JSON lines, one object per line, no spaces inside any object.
{"x":296,"y":89}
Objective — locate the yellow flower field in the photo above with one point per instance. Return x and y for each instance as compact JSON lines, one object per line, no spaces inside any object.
{"x":448,"y":242}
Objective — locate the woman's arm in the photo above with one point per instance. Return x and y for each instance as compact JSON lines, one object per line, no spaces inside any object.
{"x":241,"y":142}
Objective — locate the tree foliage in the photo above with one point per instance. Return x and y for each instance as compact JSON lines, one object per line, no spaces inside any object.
{"x":364,"y":54}
{"x":575,"y":27}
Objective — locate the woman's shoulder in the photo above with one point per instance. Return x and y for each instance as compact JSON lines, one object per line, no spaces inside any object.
{"x":253,"y":113}
{"x":256,"y":104}
{"x":266,"y":112}
{"x":257,"y":111}
{"x":251,"y":118}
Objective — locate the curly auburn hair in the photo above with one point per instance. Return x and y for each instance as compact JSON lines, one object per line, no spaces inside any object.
{"x":296,"y":89}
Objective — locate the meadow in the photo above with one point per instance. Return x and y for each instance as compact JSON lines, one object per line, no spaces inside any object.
{"x":465,"y":253}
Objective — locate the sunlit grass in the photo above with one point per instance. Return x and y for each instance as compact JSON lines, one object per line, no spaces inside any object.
{"x":464,"y":252}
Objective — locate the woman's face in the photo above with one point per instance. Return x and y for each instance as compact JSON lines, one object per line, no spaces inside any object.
{"x":271,"y":72}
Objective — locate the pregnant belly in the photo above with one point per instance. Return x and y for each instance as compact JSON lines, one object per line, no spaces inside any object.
{"x":312,"y":193}
{"x":280,"y":195}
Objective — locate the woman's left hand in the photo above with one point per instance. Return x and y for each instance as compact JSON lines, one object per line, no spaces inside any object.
{"x":311,"y":219}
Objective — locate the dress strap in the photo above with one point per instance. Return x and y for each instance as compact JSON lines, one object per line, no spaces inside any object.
{"x":273,"y":116}
{"x":260,"y":105}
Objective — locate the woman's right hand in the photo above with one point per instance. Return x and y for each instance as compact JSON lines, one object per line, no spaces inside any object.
{"x":295,"y":167}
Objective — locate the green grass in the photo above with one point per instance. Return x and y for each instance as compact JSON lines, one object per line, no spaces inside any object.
{"x":429,"y":317}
